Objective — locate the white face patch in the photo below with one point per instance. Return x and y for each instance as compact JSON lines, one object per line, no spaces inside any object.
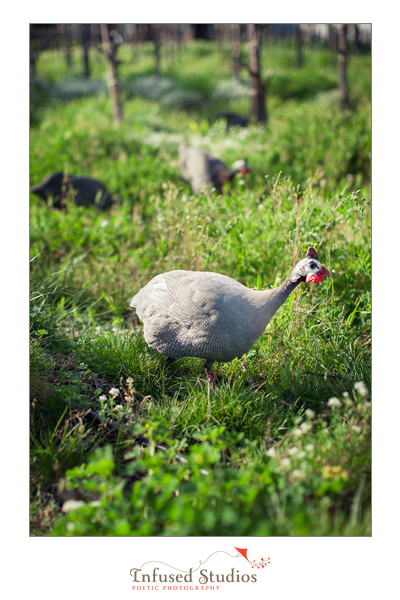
{"x":239,"y":164}
{"x":306,"y":266}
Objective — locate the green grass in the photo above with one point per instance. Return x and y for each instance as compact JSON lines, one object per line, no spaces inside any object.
{"x":310,"y":185}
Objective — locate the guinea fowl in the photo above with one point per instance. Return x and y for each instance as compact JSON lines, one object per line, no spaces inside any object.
{"x":200,"y":169}
{"x":233,"y":119}
{"x":211,"y":316}
{"x":87,"y":191}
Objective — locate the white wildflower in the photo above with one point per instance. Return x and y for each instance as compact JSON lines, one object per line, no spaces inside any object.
{"x":346,"y":395}
{"x":293,"y":450}
{"x":357,"y":428}
{"x":102,"y":398}
{"x":301,"y":454}
{"x":114,"y":392}
{"x":285,"y":462}
{"x":309,"y":447}
{"x":297,"y":431}
{"x":362,"y":389}
{"x":271,"y":452}
{"x":297,"y":473}
{"x":37,"y":309}
{"x":305,"y":427}
{"x":310,"y":413}
{"x":334,"y":402}
{"x":70,"y":505}
{"x":104,"y":223}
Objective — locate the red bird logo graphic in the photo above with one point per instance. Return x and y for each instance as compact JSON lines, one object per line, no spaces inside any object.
{"x":264,"y":561}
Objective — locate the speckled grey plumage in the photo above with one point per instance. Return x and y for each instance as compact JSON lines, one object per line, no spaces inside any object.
{"x":203,"y":314}
{"x":200,"y":169}
{"x":211,"y":316}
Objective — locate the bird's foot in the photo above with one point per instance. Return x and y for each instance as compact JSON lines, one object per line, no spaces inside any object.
{"x":209,"y":371}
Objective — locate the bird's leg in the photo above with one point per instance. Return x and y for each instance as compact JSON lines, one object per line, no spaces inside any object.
{"x":249,"y":380}
{"x":170,"y":363}
{"x":209,"y":371}
{"x":210,"y":382}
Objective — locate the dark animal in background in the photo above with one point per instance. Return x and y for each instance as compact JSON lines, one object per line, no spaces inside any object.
{"x":200,"y":169}
{"x":211,"y":316}
{"x":233,"y":119}
{"x":86,"y":191}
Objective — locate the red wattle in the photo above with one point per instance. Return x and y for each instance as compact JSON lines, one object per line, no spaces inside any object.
{"x":313,"y":278}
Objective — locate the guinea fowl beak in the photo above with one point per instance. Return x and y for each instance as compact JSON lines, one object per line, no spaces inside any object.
{"x":244,"y":170}
{"x":315,"y":277}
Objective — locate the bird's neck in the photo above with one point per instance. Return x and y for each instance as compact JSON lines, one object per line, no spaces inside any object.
{"x":284,"y":291}
{"x":269,"y":301}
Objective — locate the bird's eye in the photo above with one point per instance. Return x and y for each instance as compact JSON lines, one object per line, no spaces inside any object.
{"x":312,"y":265}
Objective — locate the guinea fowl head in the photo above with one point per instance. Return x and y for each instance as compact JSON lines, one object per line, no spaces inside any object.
{"x":240,"y":166}
{"x":309,"y":269}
